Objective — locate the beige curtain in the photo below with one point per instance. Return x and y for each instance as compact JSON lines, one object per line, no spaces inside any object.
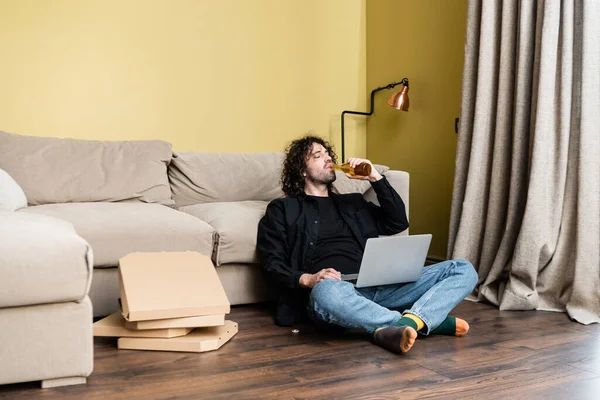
{"x":526,"y":200}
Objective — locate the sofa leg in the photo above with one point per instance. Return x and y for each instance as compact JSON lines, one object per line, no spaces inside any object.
{"x":72,"y":380}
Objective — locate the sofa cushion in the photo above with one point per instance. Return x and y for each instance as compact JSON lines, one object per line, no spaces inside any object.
{"x":343,"y":184}
{"x":219,"y":177}
{"x":117,"y":229}
{"x":53,"y":170}
{"x":42,"y":260}
{"x":11,"y":195}
{"x":236,"y":224}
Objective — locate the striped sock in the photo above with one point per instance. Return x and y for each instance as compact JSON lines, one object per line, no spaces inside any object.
{"x":410,"y":320}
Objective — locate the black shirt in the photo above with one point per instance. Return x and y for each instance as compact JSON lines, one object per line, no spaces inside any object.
{"x":288,"y":232}
{"x":336,"y":245}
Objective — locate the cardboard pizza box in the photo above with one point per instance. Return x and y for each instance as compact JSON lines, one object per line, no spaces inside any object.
{"x":199,"y":340}
{"x":183,"y":322}
{"x":170,"y":285}
{"x":114,"y":325}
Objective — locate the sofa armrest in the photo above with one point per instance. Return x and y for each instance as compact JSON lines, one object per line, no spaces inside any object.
{"x":42,"y":260}
{"x":400,"y":182}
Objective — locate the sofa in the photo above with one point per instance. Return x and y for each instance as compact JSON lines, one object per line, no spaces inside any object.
{"x":140,"y":196}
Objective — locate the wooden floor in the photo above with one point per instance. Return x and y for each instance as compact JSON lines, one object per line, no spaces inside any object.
{"x":506,"y":355}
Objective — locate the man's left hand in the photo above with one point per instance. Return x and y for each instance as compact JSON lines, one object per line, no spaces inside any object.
{"x":373,"y":177}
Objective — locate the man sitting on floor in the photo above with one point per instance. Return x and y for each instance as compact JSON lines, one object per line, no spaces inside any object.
{"x":309,"y":238}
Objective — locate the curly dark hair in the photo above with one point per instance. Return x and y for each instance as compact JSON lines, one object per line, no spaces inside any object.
{"x":294,"y":165}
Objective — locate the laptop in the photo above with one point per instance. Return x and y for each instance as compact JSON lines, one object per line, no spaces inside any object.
{"x":390,"y":260}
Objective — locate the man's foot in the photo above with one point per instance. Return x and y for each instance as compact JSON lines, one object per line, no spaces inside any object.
{"x":397,"y":339}
{"x":452,"y":326}
{"x":462,"y":327}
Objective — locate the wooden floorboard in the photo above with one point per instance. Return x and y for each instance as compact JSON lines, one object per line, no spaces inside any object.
{"x":506,"y":354}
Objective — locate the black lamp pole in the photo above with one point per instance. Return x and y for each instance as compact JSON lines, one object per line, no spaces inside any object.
{"x":390,"y":86}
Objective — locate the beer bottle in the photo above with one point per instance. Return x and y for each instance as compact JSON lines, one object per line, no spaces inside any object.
{"x":362,"y":169}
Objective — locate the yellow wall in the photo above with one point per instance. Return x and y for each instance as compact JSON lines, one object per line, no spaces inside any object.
{"x":424,"y":41}
{"x":244,"y":76}
{"x":207,"y":75}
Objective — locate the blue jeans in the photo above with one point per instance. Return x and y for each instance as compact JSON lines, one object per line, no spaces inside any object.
{"x":439,"y":289}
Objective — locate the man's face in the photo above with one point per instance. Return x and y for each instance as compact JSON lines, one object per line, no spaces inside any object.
{"x":319,"y":165}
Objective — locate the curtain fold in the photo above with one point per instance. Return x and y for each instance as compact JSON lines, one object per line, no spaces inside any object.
{"x":526,"y":199}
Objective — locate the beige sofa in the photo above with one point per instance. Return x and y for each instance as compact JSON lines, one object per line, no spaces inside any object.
{"x":123,"y":197}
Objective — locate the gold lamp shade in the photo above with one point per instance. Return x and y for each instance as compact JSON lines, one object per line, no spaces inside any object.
{"x":400,"y":99}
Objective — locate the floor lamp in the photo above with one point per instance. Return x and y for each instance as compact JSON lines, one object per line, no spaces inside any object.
{"x":399,"y":101}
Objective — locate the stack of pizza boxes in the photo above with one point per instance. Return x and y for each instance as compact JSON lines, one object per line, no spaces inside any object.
{"x":170,"y":301}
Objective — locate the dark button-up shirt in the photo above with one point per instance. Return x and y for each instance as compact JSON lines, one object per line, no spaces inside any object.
{"x":288,"y":232}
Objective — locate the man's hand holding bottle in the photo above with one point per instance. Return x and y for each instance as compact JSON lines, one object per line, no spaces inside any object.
{"x":359,"y":168}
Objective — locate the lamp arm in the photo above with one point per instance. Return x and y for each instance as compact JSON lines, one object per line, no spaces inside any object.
{"x":392,"y":85}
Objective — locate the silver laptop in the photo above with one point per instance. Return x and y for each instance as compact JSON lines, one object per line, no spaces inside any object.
{"x":392,"y":259}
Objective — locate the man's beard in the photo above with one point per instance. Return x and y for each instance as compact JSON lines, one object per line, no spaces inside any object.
{"x":323,"y":177}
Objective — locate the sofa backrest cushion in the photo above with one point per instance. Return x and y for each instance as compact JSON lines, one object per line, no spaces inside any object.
{"x":198,"y":177}
{"x":53,"y":170}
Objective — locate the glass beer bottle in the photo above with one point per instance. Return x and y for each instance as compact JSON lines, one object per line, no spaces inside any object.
{"x":363,"y":169}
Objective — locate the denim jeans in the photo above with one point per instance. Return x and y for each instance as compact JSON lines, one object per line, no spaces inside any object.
{"x":439,"y":289}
